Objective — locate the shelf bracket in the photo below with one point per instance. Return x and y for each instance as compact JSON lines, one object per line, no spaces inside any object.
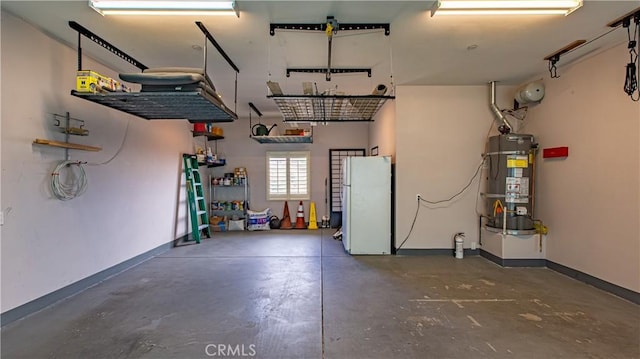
{"x":255,"y":109}
{"x":330,"y":27}
{"x":213,"y":41}
{"x":323,"y":27}
{"x":216,"y":45}
{"x":333,"y":71}
{"x":635,"y":14}
{"x":104,"y":43}
{"x":555,"y":57}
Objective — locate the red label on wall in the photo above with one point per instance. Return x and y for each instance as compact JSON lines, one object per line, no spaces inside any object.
{"x":555,"y":152}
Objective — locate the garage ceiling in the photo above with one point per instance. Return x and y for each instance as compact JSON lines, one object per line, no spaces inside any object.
{"x":421,"y":50}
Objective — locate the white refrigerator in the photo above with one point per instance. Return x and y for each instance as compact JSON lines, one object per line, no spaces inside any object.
{"x":366,"y":205}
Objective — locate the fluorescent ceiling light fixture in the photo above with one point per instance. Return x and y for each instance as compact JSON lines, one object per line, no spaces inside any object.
{"x":505,"y":7}
{"x":164,"y":7}
{"x":500,"y":12}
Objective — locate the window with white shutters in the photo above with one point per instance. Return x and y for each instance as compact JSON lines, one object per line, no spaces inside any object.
{"x":288,"y":175}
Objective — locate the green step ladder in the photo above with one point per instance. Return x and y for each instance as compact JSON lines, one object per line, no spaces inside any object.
{"x":197,"y":205}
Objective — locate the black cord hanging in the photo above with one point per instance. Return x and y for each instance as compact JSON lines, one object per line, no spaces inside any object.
{"x":553,"y":70}
{"x":555,"y":57}
{"x":633,"y":67}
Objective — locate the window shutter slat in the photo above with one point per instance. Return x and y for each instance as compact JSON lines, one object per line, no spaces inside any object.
{"x":288,"y":175}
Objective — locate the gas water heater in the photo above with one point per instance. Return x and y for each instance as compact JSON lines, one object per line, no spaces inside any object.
{"x":510,"y":183}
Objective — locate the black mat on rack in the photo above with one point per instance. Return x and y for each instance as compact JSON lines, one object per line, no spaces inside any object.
{"x":182,"y":70}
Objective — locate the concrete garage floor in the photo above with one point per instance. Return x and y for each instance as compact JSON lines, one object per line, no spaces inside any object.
{"x":288,"y":294}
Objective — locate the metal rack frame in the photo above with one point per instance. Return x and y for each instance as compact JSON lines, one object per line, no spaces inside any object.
{"x":216,"y":188}
{"x":208,"y":136}
{"x":329,"y":108}
{"x":330,"y":27}
{"x":276,"y":139}
{"x":195,"y":106}
{"x":284,"y":139}
{"x":67,"y":130}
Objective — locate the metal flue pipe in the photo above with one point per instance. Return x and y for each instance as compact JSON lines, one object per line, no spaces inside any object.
{"x":494,"y":107}
{"x":328,"y":75}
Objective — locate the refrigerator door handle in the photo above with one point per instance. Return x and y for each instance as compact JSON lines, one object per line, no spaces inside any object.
{"x":344,"y":186}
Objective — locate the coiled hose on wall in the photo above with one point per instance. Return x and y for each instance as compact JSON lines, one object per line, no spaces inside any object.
{"x":74,"y":183}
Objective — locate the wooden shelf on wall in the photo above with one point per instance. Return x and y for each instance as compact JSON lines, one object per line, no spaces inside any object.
{"x":67,"y":145}
{"x":211,"y":165}
{"x":210,"y":136}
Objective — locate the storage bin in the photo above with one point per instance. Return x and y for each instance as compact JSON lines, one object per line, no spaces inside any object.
{"x":236,"y":225}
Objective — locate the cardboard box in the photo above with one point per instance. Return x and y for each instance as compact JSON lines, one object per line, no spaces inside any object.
{"x":91,"y":81}
{"x":220,"y":227}
{"x":294,"y":132}
{"x":218,"y":224}
{"x":217,"y":131}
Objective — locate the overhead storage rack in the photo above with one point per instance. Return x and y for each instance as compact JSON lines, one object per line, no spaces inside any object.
{"x":329,"y":108}
{"x":196,"y":106}
{"x":283,"y":139}
{"x":330,"y":27}
{"x":266,"y":139}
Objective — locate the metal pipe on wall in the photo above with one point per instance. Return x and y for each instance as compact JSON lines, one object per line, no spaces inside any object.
{"x":495,"y":109}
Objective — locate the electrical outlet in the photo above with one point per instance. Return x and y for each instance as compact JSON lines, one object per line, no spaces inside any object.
{"x":418,"y":197}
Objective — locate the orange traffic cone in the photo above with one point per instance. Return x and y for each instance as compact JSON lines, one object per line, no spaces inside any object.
{"x":285,"y":223}
{"x":300,"y":218}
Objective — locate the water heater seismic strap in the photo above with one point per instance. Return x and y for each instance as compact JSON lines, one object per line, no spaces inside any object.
{"x":507,"y":153}
{"x":498,"y":195}
{"x":494,"y":195}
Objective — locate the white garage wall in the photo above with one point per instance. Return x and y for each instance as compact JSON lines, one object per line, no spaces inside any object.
{"x":242,"y":151}
{"x":131,"y":204}
{"x":382,"y":131}
{"x":440,"y":136}
{"x":591,"y":200}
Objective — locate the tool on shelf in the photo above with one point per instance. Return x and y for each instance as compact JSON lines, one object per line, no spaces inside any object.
{"x":262,"y":130}
{"x":74,"y":181}
{"x":262,"y":134}
{"x":68,"y":130}
{"x":207,"y":156}
{"x":195,"y":193}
